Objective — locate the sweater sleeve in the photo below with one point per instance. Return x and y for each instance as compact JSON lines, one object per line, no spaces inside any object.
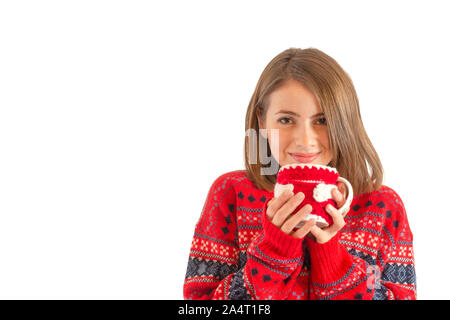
{"x":337,"y":274}
{"x":218,"y":270}
{"x":397,"y":277}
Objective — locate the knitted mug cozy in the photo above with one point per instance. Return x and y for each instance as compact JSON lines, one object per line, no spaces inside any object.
{"x":316,"y":182}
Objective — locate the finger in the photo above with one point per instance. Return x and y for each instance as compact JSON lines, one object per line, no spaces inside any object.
{"x":287,"y":208}
{"x":268,"y":209}
{"x":338,"y":219}
{"x":342,"y":189}
{"x":320,"y":235}
{"x":275,"y":204}
{"x":295,"y":219}
{"x":305,"y":229}
{"x":338,"y":197}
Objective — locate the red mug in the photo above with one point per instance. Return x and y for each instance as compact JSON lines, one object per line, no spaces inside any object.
{"x":316,"y":182}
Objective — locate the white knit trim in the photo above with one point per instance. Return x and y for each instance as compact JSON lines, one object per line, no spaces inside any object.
{"x":320,"y":222}
{"x":308,"y":181}
{"x":308,"y":165}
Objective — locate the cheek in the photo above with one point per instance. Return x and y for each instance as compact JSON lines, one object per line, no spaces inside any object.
{"x":323,"y":138}
{"x":325,"y":143}
{"x":282,"y":141}
{"x":280,"y":144}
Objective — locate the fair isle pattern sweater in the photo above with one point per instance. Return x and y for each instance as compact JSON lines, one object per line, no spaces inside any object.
{"x":236,"y":253}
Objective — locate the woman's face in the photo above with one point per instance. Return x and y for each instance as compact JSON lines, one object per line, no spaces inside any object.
{"x":303,"y":132}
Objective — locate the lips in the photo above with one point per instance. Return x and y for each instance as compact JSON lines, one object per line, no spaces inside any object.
{"x":304,"y":157}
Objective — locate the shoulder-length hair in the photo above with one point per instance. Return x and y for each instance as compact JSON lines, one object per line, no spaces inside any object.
{"x":354,"y":156}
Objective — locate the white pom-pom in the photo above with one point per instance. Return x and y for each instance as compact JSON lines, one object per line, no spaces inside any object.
{"x":322,"y":192}
{"x":279,"y":188}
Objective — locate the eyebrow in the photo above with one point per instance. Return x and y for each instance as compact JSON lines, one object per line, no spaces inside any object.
{"x":294,"y":114}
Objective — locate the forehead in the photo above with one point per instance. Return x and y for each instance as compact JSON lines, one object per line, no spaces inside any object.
{"x":293,"y":96}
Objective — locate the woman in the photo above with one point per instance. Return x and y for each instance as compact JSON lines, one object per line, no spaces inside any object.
{"x":304,"y":110}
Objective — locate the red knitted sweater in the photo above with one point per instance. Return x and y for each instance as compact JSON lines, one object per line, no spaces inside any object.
{"x":237,"y":254}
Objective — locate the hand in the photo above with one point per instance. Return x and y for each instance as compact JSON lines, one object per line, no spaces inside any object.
{"x":340,"y":196}
{"x":279,"y":212}
{"x":324,"y":235}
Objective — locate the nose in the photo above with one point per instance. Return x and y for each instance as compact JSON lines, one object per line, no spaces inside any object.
{"x":305,"y":136}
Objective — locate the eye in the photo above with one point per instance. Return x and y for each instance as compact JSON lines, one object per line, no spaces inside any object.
{"x":322,"y":121}
{"x":281,"y":120}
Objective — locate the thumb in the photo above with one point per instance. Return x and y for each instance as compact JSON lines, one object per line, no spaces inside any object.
{"x":342,"y":189}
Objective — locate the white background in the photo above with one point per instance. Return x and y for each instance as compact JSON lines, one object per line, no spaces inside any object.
{"x":117,"y":116}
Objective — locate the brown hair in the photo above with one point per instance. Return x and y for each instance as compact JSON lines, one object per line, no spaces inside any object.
{"x":353,"y":153}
